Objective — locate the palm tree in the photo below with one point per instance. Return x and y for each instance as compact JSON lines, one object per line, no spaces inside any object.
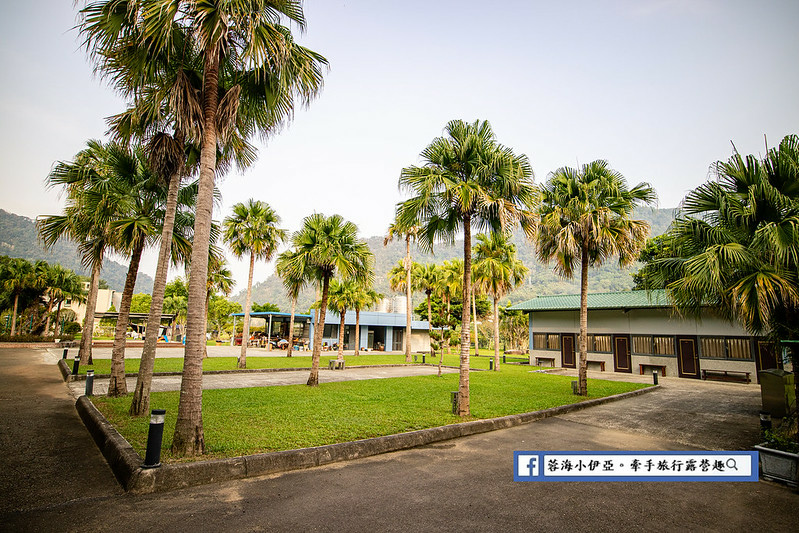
{"x":584,"y":220}
{"x":451,"y":286}
{"x":735,"y":243}
{"x":220,"y":278}
{"x":364,"y":298}
{"x":326,"y":246}
{"x":468,"y":180}
{"x":96,"y":195}
{"x":67,"y":285}
{"x":407,"y":232}
{"x":427,"y":279}
{"x":497,"y":271}
{"x":293,"y":283}
{"x":252,"y":228}
{"x":17,"y":275}
{"x":252,"y":71}
{"x":342,"y":297}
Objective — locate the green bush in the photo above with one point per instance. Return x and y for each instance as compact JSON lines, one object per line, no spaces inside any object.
{"x":71,"y":328}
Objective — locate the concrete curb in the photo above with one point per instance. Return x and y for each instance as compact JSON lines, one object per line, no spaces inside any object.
{"x":65,"y":370}
{"x":126,"y":463}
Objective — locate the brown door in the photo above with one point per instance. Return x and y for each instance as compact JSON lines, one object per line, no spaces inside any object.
{"x":766,"y":357}
{"x":621,"y":354}
{"x":567,"y":350}
{"x":687,"y":357}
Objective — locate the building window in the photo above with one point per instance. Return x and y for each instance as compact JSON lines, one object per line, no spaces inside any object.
{"x":663,"y":345}
{"x":546,"y":341}
{"x":739,"y":348}
{"x":642,"y":344}
{"x":726,"y":347}
{"x":553,"y":341}
{"x":712,"y":346}
{"x":539,"y":341}
{"x":599,"y":343}
{"x":331,"y":331}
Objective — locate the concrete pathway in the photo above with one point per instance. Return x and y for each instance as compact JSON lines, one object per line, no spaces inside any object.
{"x":47,"y":457}
{"x":460,"y":485}
{"x":267,"y":379}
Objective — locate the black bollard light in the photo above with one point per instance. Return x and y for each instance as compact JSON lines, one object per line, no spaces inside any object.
{"x":503,"y":359}
{"x":89,"y":382}
{"x":655,"y":377}
{"x":66,"y":350}
{"x":765,"y":421}
{"x":152,"y":457}
{"x":491,"y":364}
{"x":454,"y":395}
{"x":76,"y":365}
{"x":423,"y":359}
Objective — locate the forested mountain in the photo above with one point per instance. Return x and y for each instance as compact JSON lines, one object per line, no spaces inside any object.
{"x":541,"y":281}
{"x":18,"y":239}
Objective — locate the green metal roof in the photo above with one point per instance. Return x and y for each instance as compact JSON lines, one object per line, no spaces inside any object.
{"x":600,"y":300}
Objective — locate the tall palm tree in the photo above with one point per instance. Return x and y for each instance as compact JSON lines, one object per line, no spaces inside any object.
{"x":585,"y":218}
{"x":364,"y":298}
{"x":735,"y":245}
{"x":468,"y":180}
{"x":408,"y":233}
{"x":427,"y":279}
{"x":245,"y":44}
{"x":497,"y":271}
{"x":96,"y":195}
{"x":341,"y":298}
{"x":17,"y":275}
{"x":67,"y":285}
{"x":293,"y":283}
{"x":326,"y":246}
{"x":253,"y":228}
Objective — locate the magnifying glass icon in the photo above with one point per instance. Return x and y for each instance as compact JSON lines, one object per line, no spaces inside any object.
{"x":732,"y":464}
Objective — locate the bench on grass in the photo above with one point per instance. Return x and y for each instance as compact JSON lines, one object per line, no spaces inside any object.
{"x":539,"y":360}
{"x":727,"y":375}
{"x":335,"y":364}
{"x":659,"y":368}
{"x":600,"y":364}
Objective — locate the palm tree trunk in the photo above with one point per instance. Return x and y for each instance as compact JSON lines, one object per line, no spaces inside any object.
{"x":58,"y":317}
{"x":357,"y":331}
{"x":496,"y":333}
{"x":582,"y":372}
{"x":50,"y":301}
{"x":340,"y":356}
{"x":141,"y":394}
{"x":291,"y":327}
{"x":117,"y":385}
{"x":408,"y":298}
{"x":474,"y":319}
{"x":313,"y":379}
{"x":188,"y":438}
{"x":430,"y":326}
{"x":463,"y":382}
{"x":85,"y":351}
{"x":245,"y":332}
{"x":14,"y":315}
{"x":205,"y":327}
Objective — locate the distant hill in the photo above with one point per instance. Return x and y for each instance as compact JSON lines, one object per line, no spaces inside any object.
{"x":541,"y":281}
{"x":18,"y":238}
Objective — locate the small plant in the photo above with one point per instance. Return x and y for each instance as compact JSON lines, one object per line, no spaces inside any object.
{"x":784,"y":436}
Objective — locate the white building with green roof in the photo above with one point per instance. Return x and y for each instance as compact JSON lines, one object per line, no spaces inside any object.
{"x":639,"y":331}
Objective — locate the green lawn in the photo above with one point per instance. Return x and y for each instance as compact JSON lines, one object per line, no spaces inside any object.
{"x":256,"y":420}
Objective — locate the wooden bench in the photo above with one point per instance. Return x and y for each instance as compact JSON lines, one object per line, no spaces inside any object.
{"x":727,"y":375}
{"x":660,"y":368}
{"x":601,"y":364}
{"x":335,"y":364}
{"x":550,"y":359}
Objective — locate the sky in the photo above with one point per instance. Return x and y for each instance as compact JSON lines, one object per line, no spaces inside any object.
{"x":660,"y":89}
